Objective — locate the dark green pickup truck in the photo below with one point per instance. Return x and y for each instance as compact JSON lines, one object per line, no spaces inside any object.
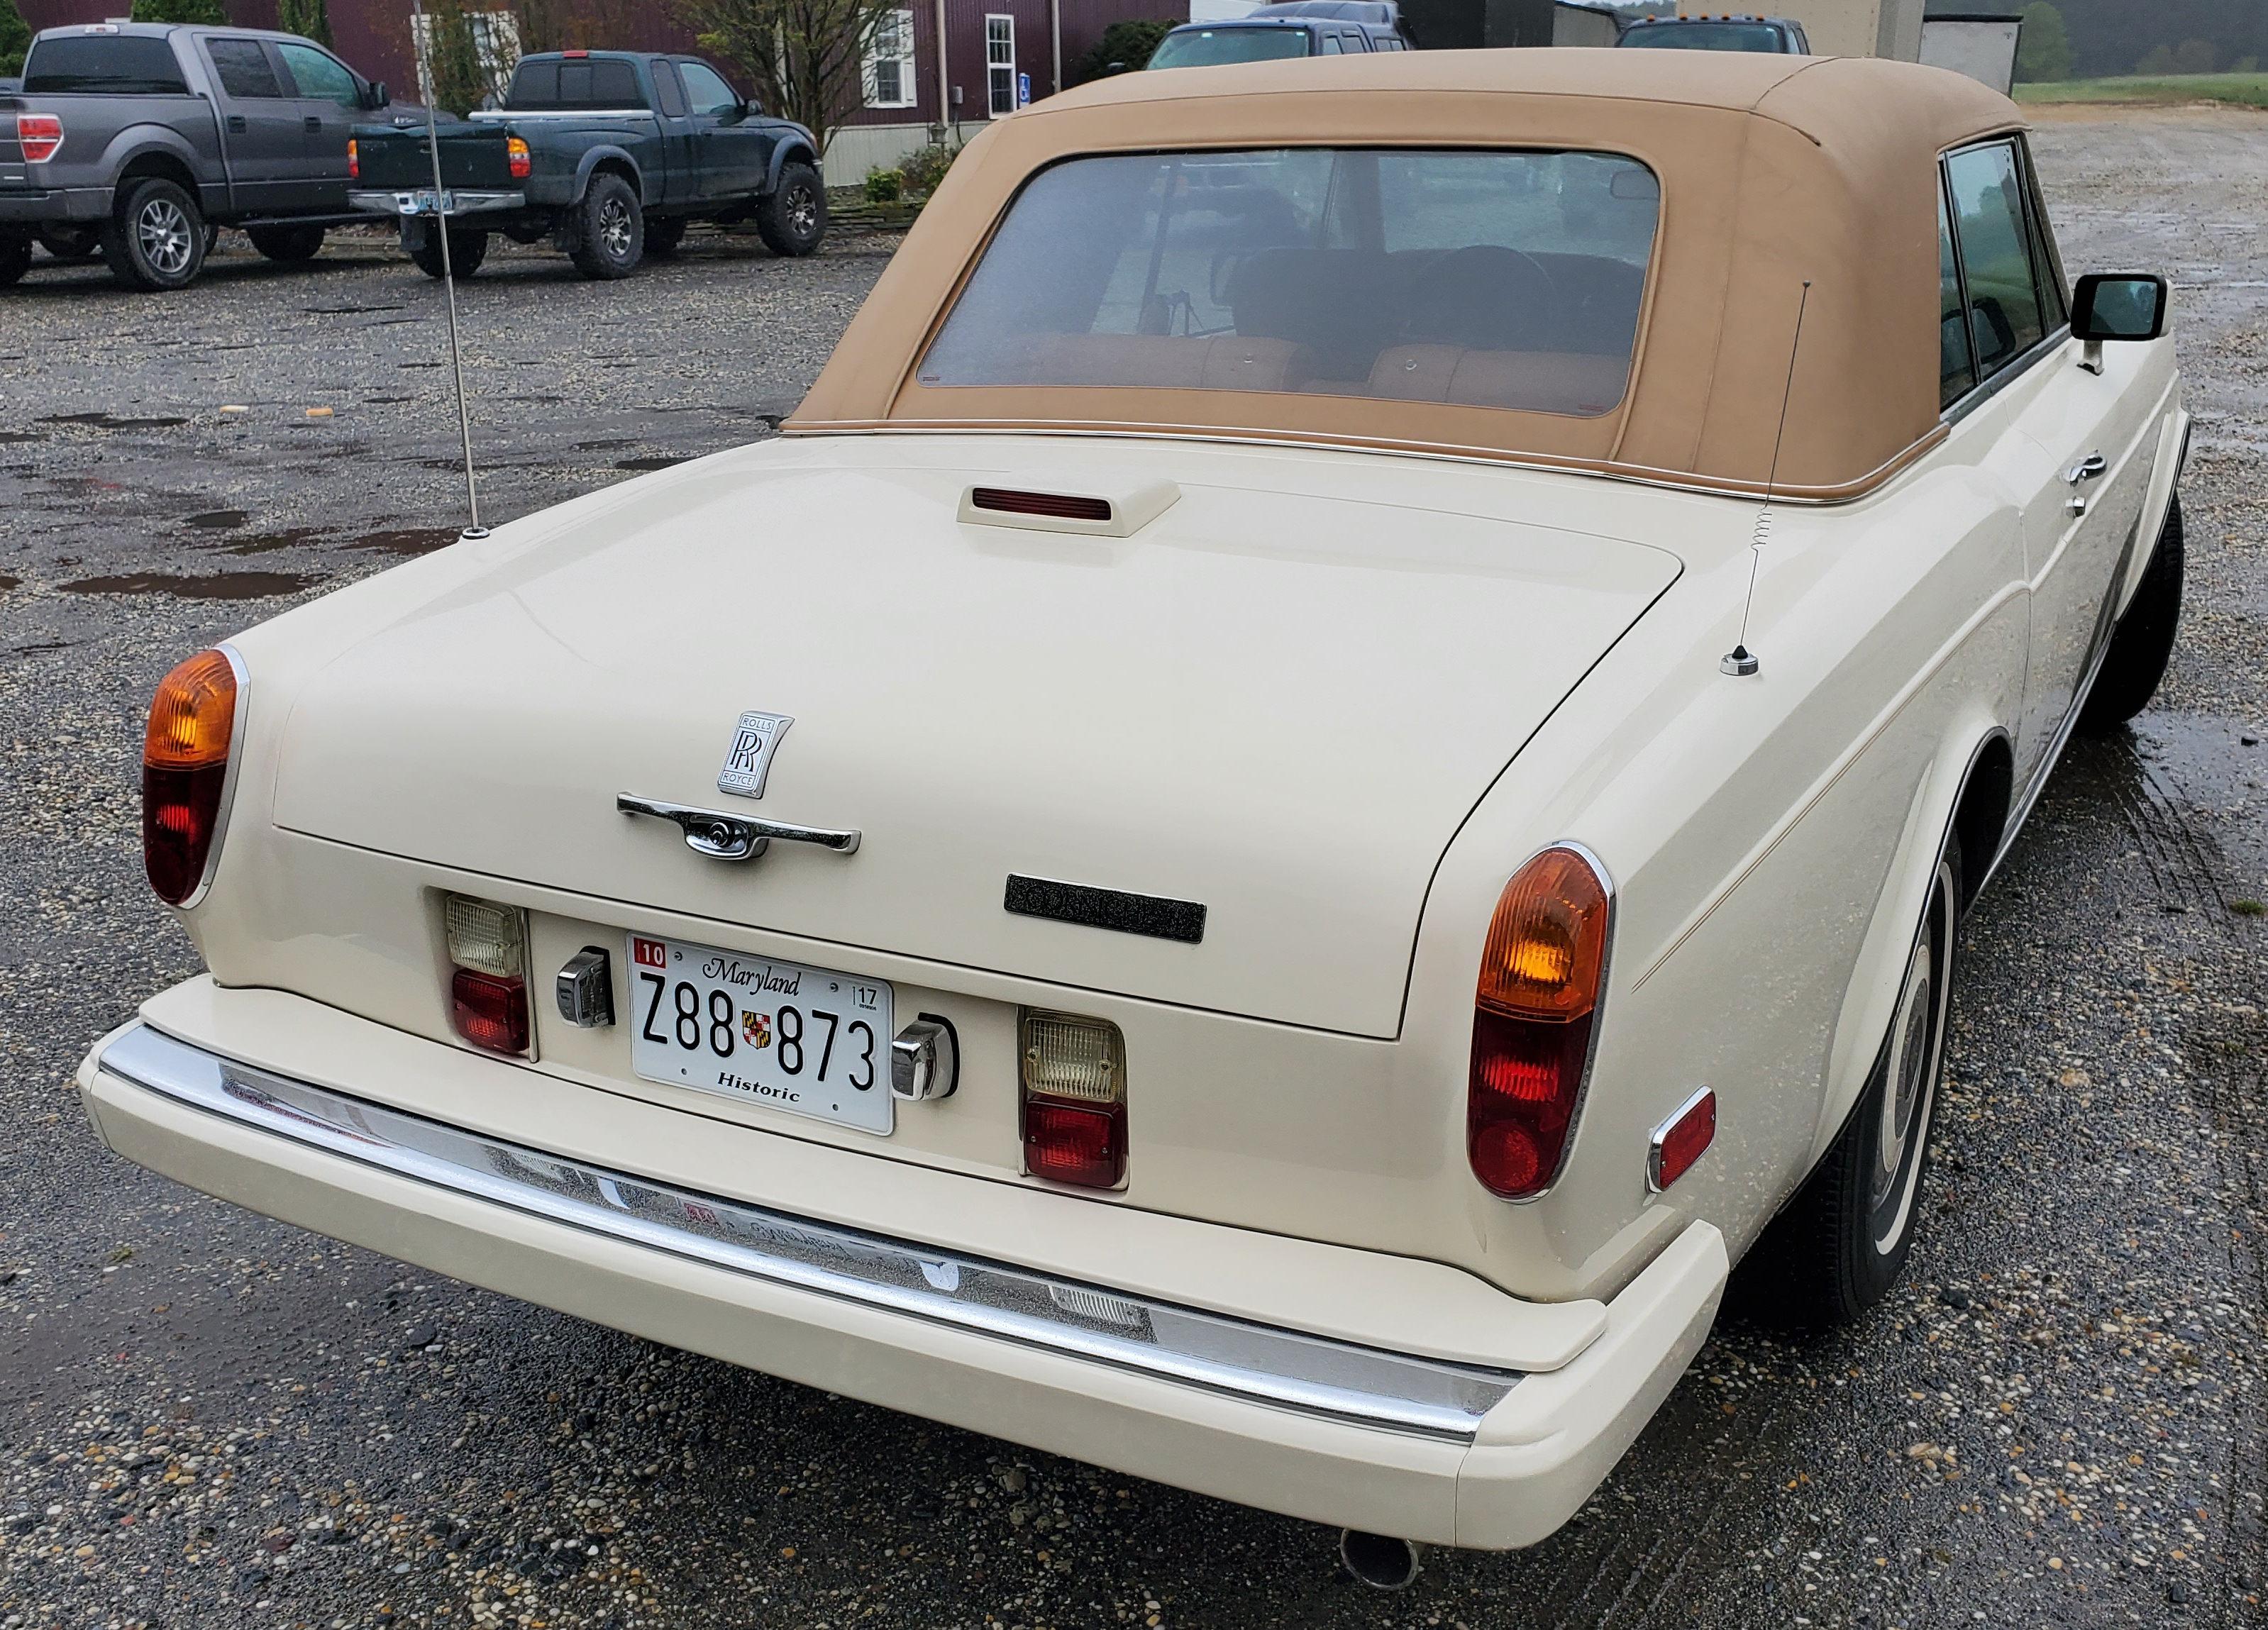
{"x":608,"y":154}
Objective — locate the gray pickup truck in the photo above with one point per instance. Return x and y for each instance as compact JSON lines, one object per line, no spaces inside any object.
{"x":608,"y":154}
{"x":136,"y":140}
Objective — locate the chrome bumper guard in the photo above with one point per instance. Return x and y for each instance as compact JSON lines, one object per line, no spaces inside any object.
{"x":1261,"y":1364}
{"x":422,"y":201}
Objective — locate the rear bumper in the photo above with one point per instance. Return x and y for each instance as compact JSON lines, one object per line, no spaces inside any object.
{"x":43,"y":205}
{"x":1327,"y":1430}
{"x":420,"y":202}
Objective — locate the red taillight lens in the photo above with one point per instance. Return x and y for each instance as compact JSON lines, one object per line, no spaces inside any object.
{"x":1071,"y":1143}
{"x":39,"y":135}
{"x":1074,"y":1081}
{"x":185,"y":771}
{"x":1532,"y":1021}
{"x":516,"y":155}
{"x":354,"y":161}
{"x":490,"y":1012}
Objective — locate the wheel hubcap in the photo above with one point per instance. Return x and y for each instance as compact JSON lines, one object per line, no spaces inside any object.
{"x":162,"y":230}
{"x":802,"y":211}
{"x":1910,"y":1075}
{"x":614,"y":227}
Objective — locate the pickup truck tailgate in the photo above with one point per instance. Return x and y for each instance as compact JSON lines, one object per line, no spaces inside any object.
{"x":472,"y":156}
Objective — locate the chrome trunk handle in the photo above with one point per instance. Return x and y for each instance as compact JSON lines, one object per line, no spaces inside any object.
{"x":721,"y":835}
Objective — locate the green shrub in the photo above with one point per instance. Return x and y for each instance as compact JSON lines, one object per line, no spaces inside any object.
{"x":2044,"y":49}
{"x":207,"y":11}
{"x":884,"y":186}
{"x":311,"y":18}
{"x":924,"y":169}
{"x":15,"y":35}
{"x":1129,"y":41}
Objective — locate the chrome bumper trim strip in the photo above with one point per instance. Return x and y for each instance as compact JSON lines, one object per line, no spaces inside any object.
{"x":1259,"y":1363}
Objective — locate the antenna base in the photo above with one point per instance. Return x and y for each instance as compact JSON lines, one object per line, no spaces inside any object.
{"x":474,"y":535}
{"x":1739,"y":661}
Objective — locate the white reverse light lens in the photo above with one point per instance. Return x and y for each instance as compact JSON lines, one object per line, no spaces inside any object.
{"x":1079,"y":1059}
{"x":484,"y":936}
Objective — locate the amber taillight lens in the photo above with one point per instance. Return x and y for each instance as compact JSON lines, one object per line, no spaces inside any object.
{"x":1532,"y":1019}
{"x":516,"y":156}
{"x":354,"y":160}
{"x":185,"y":771}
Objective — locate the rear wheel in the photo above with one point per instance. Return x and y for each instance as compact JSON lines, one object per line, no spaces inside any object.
{"x":1842,"y":1243}
{"x":609,"y":229}
{"x":467,"y":251}
{"x":74,"y":245}
{"x":664,"y":233}
{"x":2143,"y":642}
{"x":793,"y":218}
{"x":156,"y":238}
{"x":15,"y":257}
{"x":288,"y":245}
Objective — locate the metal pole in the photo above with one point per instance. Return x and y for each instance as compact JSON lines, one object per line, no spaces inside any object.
{"x":424,"y":33}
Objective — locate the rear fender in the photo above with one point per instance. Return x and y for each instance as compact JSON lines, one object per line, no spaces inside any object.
{"x":1880,"y":967}
{"x":616,"y":158}
{"x":156,"y":147}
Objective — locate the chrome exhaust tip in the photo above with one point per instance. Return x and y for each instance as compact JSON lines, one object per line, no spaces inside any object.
{"x":1380,"y":1562}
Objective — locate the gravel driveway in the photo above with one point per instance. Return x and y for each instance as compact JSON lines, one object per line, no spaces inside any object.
{"x":210,"y":1420}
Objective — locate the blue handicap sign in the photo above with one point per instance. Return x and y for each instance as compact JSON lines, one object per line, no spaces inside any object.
{"x":1023,"y":90}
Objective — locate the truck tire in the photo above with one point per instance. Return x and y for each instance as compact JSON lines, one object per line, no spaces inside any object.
{"x":73,"y":245}
{"x":664,"y":233}
{"x":156,"y":236}
{"x":2143,"y":642}
{"x":609,"y":238}
{"x":288,"y":245}
{"x":792,"y":219}
{"x":467,"y":251}
{"x":15,"y":256}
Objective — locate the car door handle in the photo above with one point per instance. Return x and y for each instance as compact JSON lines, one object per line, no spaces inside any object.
{"x":2087,"y":469}
{"x":313,"y":121}
{"x":236,"y":124}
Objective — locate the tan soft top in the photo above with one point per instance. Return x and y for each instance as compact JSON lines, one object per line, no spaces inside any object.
{"x":1775,"y":170}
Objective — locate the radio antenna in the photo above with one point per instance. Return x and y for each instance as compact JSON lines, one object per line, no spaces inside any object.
{"x":423,"y":28}
{"x":1739,"y":661}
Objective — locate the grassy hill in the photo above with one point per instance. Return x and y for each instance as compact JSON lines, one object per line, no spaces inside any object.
{"x":2241,"y":90}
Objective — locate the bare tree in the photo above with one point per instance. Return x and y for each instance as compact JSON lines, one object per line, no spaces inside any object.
{"x":806,"y":58}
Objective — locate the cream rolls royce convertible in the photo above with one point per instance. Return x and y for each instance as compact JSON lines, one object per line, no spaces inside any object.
{"x":1338,"y":758}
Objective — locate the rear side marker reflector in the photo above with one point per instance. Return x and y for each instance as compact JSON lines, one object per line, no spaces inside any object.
{"x":1680,"y":1140}
{"x":1059,"y":506}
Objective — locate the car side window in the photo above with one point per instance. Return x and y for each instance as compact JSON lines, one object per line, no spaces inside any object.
{"x":705,"y":89}
{"x":242,"y":68}
{"x":1993,"y":232}
{"x":667,"y":93}
{"x":2055,"y":296}
{"x":320,"y":77}
{"x":1331,"y":47}
{"x":1956,"y":370}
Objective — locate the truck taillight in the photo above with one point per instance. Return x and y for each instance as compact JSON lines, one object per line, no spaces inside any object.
{"x":515,"y":151}
{"x":185,"y":759}
{"x":488,"y":979}
{"x":354,"y":160}
{"x":1533,"y":1016}
{"x":39,"y":135}
{"x":1074,"y":1099}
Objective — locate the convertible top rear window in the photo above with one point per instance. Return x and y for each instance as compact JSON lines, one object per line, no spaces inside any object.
{"x":1487,"y":279}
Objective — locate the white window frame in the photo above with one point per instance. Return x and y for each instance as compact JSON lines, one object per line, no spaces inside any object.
{"x":998,"y":39}
{"x":892,"y":46}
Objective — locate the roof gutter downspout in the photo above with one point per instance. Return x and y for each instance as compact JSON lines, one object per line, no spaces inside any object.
{"x":944,"y":83}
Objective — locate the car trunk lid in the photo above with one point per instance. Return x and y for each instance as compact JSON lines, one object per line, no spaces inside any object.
{"x":1270,"y":704}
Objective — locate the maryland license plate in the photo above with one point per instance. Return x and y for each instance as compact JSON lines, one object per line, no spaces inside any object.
{"x":798,"y":1039}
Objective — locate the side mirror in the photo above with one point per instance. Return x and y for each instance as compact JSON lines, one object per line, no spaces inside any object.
{"x":2118,"y":306}
{"x":374,"y":94}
